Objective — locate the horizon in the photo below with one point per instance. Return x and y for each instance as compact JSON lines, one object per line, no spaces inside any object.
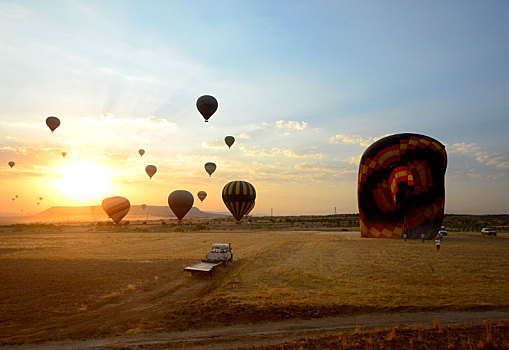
{"x":303,"y":87}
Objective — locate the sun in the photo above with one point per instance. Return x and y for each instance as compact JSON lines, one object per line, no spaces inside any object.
{"x":83,"y":180}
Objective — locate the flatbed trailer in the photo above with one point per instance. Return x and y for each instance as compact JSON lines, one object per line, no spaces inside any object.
{"x":203,"y":268}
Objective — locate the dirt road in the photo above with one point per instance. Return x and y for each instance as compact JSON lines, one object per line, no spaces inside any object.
{"x":268,"y":332}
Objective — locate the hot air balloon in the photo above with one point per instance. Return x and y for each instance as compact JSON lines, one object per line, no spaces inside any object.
{"x":11,"y":163}
{"x":16,"y":196}
{"x":207,"y":105}
{"x":64,"y":154}
{"x":150,"y":170}
{"x":401,"y":187}
{"x":143,"y":206}
{"x":13,"y":199}
{"x":210,"y":168}
{"x":52,"y":123}
{"x":229,"y":140}
{"x":141,"y":152}
{"x":38,"y":203}
{"x":40,"y":198}
{"x":202,"y":195}
{"x":239,"y":197}
{"x":116,"y":207}
{"x":180,"y":203}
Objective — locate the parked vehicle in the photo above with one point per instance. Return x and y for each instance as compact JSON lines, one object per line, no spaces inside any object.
{"x":488,"y":231}
{"x":220,"y":254}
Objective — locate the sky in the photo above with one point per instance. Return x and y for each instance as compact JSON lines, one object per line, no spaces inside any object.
{"x":304,"y":87}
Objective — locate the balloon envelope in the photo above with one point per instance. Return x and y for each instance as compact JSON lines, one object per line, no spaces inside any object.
{"x":11,"y":164}
{"x":143,"y":206}
{"x":207,"y":105}
{"x":150,"y":170}
{"x":239,"y":197}
{"x":180,"y":202}
{"x":116,"y":207}
{"x":16,"y":196}
{"x":210,"y":168}
{"x":202,"y":195}
{"x":229,"y":140}
{"x":401,"y":187}
{"x":141,"y":152}
{"x":64,"y":154}
{"x":52,"y":123}
{"x":40,"y":198}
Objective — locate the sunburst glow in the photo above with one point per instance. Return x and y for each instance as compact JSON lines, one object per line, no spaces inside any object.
{"x":83,"y":180}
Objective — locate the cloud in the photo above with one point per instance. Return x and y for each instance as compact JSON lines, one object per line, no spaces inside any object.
{"x":495,"y":159}
{"x":244,"y":136}
{"x":255,"y":151}
{"x":291,"y":124}
{"x":353,"y":139}
{"x":151,"y":122}
{"x":214,"y":144}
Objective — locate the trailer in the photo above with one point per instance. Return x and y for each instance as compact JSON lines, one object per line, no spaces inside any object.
{"x":203,"y":268}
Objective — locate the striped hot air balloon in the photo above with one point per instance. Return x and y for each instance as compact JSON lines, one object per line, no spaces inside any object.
{"x":239,"y":197}
{"x":401,"y":187}
{"x":202,"y":195}
{"x":116,"y":207}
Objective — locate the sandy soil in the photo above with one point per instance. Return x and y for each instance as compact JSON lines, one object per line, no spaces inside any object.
{"x":96,"y":289}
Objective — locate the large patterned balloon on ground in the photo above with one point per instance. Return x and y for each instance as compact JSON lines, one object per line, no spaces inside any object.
{"x":401,"y":187}
{"x":180,"y":202}
{"x":116,"y":208}
{"x":207,"y":105}
{"x":52,"y":123}
{"x":239,"y":197}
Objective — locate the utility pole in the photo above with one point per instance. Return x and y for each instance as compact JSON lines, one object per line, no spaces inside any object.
{"x":335,"y":211}
{"x":271,"y":211}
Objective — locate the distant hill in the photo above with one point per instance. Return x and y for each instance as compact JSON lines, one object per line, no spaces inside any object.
{"x":96,"y":213}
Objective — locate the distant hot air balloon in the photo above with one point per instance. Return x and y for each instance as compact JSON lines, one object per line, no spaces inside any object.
{"x":13,"y":198}
{"x":52,"y":123}
{"x":143,"y":206}
{"x":229,"y":140}
{"x":141,"y":152}
{"x":40,"y":198}
{"x":64,"y":154}
{"x":401,"y":187}
{"x":180,"y":203}
{"x":38,"y":203}
{"x":210,"y":168}
{"x":207,"y":105}
{"x":150,"y":170}
{"x":11,"y":163}
{"x":239,"y":197}
{"x":202,"y":195}
{"x":16,"y":196}
{"x":116,"y":207}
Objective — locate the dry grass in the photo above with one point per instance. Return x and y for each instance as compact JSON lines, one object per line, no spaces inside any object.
{"x":126,"y":280}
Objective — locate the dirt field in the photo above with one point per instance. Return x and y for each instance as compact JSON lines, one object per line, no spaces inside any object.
{"x":75,"y":283}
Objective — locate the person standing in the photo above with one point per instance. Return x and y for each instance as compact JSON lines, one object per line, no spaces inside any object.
{"x":422,"y":237}
{"x":437,"y":243}
{"x":404,"y":237}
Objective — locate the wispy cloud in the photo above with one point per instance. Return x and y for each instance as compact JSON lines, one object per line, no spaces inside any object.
{"x":151,"y":122}
{"x":498,"y":160}
{"x":214,"y":144}
{"x":291,"y":124}
{"x":244,"y":136}
{"x":256,"y":151}
{"x":353,"y":139}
